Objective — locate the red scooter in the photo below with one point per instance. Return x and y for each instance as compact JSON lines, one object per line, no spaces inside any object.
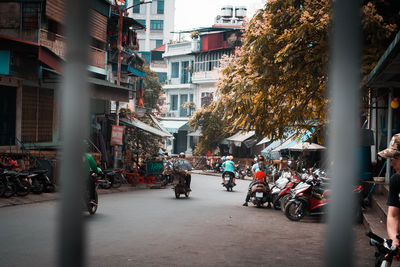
{"x":310,"y":197}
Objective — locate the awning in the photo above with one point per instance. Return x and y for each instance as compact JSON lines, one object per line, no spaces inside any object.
{"x":265,"y":140}
{"x":145,"y":127}
{"x":157,"y":122}
{"x":196,"y":133}
{"x":306,"y":146}
{"x":240,"y":137}
{"x":293,"y":141}
{"x":267,"y":150}
{"x":385,"y":72}
{"x":173,"y":126}
{"x":106,"y":90}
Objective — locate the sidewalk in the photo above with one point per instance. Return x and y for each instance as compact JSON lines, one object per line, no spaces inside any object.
{"x":34,"y":198}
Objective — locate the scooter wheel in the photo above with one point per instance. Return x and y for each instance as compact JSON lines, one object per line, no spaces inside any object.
{"x":295,"y":210}
{"x":177,"y":195}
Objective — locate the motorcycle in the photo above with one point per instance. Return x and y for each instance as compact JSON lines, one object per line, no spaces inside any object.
{"x":248,"y":171}
{"x":228,"y":181}
{"x":260,"y":193}
{"x":281,"y":188}
{"x":180,"y":186}
{"x":239,"y":172}
{"x":386,"y":251}
{"x":7,"y":188}
{"x":41,"y":182}
{"x":91,"y":198}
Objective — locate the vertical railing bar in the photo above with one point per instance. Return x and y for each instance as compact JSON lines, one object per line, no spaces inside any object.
{"x":389,"y":133}
{"x":75,"y":124}
{"x":343,"y":85}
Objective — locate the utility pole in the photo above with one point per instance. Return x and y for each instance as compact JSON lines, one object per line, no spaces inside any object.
{"x":121,"y":12}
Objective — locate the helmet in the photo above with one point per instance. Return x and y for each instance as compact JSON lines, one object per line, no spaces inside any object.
{"x":229,"y":157}
{"x":182,"y":155}
{"x":260,"y":158}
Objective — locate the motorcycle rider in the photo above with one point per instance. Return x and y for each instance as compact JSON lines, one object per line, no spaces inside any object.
{"x":259,"y":176}
{"x":393,"y":202}
{"x":228,"y":168}
{"x":184,"y":164}
{"x":259,"y":166}
{"x":90,"y":164}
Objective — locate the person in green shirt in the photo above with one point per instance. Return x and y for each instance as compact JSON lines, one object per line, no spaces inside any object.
{"x":91,"y":165}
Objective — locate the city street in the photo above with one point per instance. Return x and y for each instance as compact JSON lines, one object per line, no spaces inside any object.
{"x":150,"y":227}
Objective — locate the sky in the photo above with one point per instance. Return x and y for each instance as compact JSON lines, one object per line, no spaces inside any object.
{"x":191,"y":14}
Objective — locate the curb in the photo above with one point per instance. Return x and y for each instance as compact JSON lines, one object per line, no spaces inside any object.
{"x":33,"y":198}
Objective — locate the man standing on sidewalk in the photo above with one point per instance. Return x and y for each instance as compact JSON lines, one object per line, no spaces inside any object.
{"x":393,"y":216}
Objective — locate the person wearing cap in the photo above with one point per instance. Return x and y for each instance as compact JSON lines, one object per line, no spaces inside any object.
{"x":259,"y":166}
{"x":393,"y":202}
{"x":228,"y":168}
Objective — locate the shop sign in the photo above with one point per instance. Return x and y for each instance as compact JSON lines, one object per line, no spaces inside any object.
{"x":116,"y":135}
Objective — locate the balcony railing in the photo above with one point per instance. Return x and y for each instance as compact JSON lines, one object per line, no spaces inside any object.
{"x":56,"y":43}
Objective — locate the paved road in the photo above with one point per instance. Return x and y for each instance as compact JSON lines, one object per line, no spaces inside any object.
{"x":152,"y":228}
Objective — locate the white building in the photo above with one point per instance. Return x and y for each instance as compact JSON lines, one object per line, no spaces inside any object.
{"x":192,"y":74}
{"x":159,"y":18}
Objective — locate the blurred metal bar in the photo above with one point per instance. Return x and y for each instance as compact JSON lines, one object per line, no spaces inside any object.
{"x":344,"y":85}
{"x":389,"y":133}
{"x":75,"y":124}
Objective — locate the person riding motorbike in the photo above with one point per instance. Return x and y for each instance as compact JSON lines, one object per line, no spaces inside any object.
{"x":260,"y":176}
{"x":228,"y":168}
{"x":184,"y":164}
{"x":91,"y":165}
{"x":259,"y":166}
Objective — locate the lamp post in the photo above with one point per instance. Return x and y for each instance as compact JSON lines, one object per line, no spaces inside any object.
{"x":121,"y":15}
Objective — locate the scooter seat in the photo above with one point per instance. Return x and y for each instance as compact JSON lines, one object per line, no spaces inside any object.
{"x":38,"y":171}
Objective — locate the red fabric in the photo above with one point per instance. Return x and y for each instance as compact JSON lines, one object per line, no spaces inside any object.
{"x":260,"y":176}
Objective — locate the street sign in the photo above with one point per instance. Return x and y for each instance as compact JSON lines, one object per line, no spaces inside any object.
{"x":117,"y":134}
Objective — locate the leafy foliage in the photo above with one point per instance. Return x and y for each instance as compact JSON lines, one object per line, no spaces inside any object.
{"x":152,"y":89}
{"x":276,"y":82}
{"x":214,"y":129}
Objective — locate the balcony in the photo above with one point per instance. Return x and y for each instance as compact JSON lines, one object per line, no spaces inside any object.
{"x":56,"y":44}
{"x":182,"y":48}
{"x":205,"y":76}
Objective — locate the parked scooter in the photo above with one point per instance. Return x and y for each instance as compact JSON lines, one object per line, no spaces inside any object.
{"x":281,"y":189}
{"x":248,"y":171}
{"x":239,"y":172}
{"x":308,"y":197}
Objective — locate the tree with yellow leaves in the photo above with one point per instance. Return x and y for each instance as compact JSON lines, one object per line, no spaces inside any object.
{"x":276,"y":82}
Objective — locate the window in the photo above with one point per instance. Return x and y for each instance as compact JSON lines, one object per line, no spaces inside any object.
{"x":159,"y":43}
{"x":185,"y":72}
{"x":37,"y":114}
{"x":183,"y":111}
{"x":156,"y":25}
{"x":142,"y":21}
{"x":30,"y":15}
{"x":136,"y":9}
{"x":160,"y":7}
{"x":175,"y":70}
{"x":174,"y":102}
{"x":206,"y":99}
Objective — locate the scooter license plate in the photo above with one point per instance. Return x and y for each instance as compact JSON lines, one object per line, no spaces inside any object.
{"x":259,"y":194}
